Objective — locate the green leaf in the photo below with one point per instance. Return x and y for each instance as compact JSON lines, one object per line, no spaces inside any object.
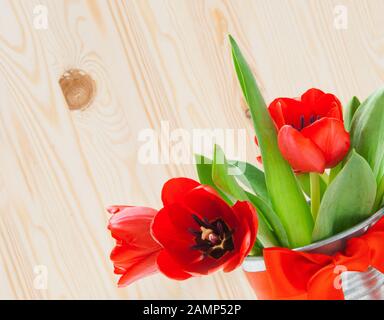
{"x":367,"y":133}
{"x":264,"y":233}
{"x":204,"y":172}
{"x":221,"y":176}
{"x":348,"y":200}
{"x":253,"y":178}
{"x":286,"y":196}
{"x":257,"y":249}
{"x":270,"y":217}
{"x":335,"y":171}
{"x":349,"y":111}
{"x":379,"y":196}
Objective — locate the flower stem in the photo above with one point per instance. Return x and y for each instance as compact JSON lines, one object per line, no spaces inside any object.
{"x":315,"y":194}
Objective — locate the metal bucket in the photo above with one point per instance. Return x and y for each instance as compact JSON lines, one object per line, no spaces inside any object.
{"x":367,"y":285}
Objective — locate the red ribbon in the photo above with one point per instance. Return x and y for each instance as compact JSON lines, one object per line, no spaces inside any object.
{"x":291,"y":274}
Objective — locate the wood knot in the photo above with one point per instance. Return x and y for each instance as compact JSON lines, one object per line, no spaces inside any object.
{"x":78,"y":88}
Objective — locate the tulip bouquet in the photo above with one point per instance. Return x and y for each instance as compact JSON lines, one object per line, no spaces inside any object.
{"x":323,"y":173}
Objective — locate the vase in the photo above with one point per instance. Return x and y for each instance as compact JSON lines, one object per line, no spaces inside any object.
{"x":367,"y":285}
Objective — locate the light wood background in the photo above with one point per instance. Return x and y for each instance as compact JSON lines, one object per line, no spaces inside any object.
{"x":151,"y":60}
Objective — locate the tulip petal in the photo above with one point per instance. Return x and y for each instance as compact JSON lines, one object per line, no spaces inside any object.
{"x":310,"y":96}
{"x":132,"y":225}
{"x":208,"y":265}
{"x":288,"y":111}
{"x":118,"y":270}
{"x":167,"y":232}
{"x":335,"y":112}
{"x":322,"y":104}
{"x":116,"y":209}
{"x":174,"y":189}
{"x":205,"y":203}
{"x":245,"y":211}
{"x":329,"y":106}
{"x":175,"y":237}
{"x":169,"y":267}
{"x":301,"y":153}
{"x":276,"y":112}
{"x":124,"y":255}
{"x":138,"y":270}
{"x":331,"y":137}
{"x":244,"y":235}
{"x":135,"y":253}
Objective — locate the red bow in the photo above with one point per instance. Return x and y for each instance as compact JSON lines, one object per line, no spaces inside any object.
{"x":292,"y":274}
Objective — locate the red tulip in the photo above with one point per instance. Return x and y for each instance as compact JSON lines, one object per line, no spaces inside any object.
{"x":311,"y":134}
{"x":199,"y":232}
{"x":135,"y":253}
{"x":196,"y":233}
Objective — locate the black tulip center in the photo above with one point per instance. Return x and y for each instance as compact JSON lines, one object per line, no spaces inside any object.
{"x":213,"y":238}
{"x":306,"y":122}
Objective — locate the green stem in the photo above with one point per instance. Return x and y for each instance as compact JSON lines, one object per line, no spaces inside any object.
{"x":315,"y":194}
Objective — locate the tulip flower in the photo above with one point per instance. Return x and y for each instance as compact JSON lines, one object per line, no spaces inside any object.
{"x":311,"y":133}
{"x":135,"y":253}
{"x":195,"y":233}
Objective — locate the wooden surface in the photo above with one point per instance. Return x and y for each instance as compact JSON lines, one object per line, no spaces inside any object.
{"x":151,"y":61}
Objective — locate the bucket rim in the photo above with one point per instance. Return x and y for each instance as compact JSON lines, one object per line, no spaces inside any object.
{"x":256,"y":264}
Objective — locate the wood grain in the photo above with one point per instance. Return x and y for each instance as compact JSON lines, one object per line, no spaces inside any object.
{"x":151,"y":61}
